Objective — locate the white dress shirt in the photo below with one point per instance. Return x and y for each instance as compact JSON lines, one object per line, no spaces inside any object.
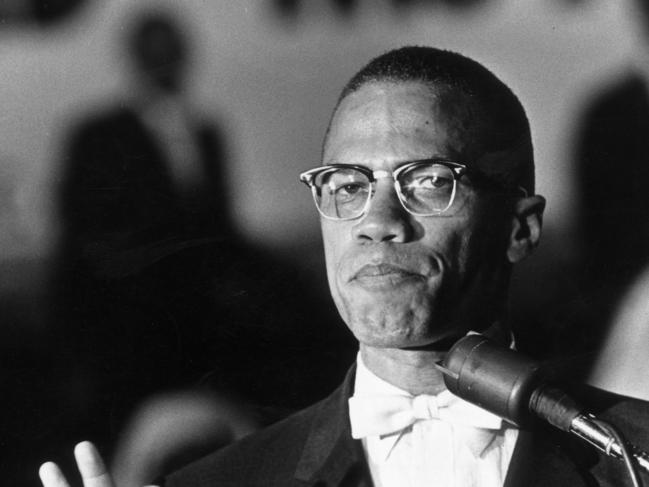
{"x":435,"y":452}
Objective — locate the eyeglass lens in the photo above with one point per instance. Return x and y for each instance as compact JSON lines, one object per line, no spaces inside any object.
{"x":427,"y":188}
{"x":424,"y":189}
{"x":342,"y":192}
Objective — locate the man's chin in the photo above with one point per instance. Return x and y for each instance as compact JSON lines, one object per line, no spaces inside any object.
{"x":398,"y":337}
{"x":386,"y":302}
{"x":381,"y":327}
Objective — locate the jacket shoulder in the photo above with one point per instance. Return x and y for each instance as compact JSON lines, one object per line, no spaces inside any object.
{"x":267,"y":457}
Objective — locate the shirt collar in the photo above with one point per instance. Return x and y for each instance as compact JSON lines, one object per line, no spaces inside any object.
{"x":366,"y":382}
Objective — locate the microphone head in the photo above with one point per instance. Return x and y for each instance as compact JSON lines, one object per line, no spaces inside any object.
{"x":492,"y":377}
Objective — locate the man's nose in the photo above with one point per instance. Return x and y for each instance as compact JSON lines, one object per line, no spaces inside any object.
{"x":386,"y":220}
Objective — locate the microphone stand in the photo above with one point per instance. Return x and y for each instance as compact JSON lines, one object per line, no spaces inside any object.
{"x":599,"y":434}
{"x":510,"y":385}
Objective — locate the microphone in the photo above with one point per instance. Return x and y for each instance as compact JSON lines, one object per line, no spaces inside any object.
{"x":512,"y":386}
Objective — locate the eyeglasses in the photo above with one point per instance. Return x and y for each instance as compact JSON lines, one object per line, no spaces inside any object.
{"x":344,"y":191}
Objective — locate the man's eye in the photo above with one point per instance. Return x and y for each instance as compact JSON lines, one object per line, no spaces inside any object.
{"x":433,"y":182}
{"x":349,"y":189}
{"x":350,"y":192}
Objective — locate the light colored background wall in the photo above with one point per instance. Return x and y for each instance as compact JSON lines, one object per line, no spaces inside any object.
{"x":271,"y":86}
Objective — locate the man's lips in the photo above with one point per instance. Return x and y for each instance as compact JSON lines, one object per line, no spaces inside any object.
{"x":378,"y":271}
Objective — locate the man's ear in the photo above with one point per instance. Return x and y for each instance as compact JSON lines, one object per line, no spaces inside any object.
{"x":527,"y":221}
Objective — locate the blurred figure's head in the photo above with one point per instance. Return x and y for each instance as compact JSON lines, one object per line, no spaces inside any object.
{"x":159,"y":51}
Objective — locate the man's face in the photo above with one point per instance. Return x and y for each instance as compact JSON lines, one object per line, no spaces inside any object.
{"x":400,"y":280}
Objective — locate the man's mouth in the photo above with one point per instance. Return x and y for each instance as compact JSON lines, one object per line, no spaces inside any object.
{"x":379,"y":275}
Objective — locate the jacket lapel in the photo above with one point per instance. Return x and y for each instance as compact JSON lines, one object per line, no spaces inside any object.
{"x":331,"y":457}
{"x":538,"y":460}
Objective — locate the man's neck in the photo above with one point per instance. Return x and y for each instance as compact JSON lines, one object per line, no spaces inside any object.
{"x":413,"y":370}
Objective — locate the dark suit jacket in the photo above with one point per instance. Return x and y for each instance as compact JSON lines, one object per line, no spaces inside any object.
{"x":314,"y":448}
{"x":118,"y":189}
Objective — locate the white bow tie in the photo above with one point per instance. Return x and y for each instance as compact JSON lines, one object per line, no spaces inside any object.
{"x":382,"y":414}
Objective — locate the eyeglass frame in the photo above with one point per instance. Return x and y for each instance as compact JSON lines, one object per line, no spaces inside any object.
{"x":458,"y":170}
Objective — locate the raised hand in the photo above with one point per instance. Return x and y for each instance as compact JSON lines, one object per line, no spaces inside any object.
{"x":91,"y":466}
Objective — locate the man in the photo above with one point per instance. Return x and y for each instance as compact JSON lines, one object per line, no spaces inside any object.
{"x":426,"y":196}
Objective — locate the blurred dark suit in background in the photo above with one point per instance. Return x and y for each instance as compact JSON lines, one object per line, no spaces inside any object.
{"x":612,"y":164}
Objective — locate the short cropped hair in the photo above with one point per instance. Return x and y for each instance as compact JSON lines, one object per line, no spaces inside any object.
{"x":503,"y":121}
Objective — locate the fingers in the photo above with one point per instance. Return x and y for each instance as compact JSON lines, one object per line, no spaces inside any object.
{"x":51,"y":475}
{"x":91,"y":466}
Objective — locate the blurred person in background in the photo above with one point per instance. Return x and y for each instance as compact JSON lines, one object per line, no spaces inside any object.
{"x":142,"y":192}
{"x":612,"y":151}
{"x":155,"y":290}
{"x":615,"y":204}
{"x":427,"y":202}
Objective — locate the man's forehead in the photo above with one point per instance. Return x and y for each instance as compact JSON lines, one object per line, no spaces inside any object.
{"x":426,"y":115}
{"x":381,"y":104}
{"x":413,"y":119}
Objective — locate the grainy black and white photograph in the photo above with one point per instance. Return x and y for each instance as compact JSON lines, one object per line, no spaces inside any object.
{"x":389,"y":243}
